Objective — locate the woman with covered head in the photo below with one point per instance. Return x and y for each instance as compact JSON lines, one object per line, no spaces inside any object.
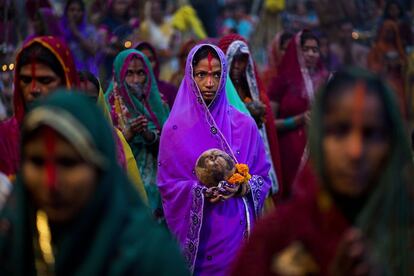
{"x":44,"y":22}
{"x":138,"y":111}
{"x":291,"y":94}
{"x":250,"y":91}
{"x":394,"y":11}
{"x":359,"y":219}
{"x":387,"y":57}
{"x":81,"y":36}
{"x":72,"y":210}
{"x":42,"y":65}
{"x":185,"y":48}
{"x":91,"y":87}
{"x":275,"y":52}
{"x":167,"y":90}
{"x":210,"y":222}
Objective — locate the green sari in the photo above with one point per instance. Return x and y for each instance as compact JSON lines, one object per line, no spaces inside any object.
{"x":234,"y":98}
{"x":151,"y":106}
{"x":113,"y":234}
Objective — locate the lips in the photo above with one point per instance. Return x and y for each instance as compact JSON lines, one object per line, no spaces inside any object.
{"x":208,"y":94}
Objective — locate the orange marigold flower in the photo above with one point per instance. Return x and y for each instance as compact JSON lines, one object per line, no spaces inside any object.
{"x":236,"y":179}
{"x":243,"y":169}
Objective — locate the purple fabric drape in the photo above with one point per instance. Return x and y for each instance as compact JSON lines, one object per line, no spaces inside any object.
{"x":83,"y":59}
{"x":209,"y":234}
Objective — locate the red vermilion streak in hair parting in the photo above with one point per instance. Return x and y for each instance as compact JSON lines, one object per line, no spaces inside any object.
{"x":50,"y":146}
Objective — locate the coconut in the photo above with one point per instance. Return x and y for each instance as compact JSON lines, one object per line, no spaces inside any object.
{"x":213,"y":166}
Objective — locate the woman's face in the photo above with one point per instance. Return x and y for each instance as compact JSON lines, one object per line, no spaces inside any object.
{"x":38,"y":25}
{"x":238,"y":67}
{"x":135,"y":78}
{"x":59,"y":181}
{"x":310,"y":50}
{"x":283,"y":47}
{"x":207,"y":75}
{"x":120,"y":7}
{"x":136,"y":73}
{"x":355,"y":143}
{"x":324,"y":46}
{"x":394,"y":11}
{"x":148,"y":53}
{"x":38,"y":80}
{"x":90,"y":90}
{"x":75,"y":12}
{"x":156,"y":12}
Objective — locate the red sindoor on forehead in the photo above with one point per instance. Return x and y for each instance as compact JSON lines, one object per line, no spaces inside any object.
{"x":359,"y":103}
{"x":50,"y":146}
{"x":210,"y":58}
{"x":33,"y":72}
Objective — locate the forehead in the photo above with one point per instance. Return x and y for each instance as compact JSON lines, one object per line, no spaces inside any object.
{"x":90,"y":85}
{"x":36,"y":143}
{"x":147,"y":51}
{"x":388,"y":27}
{"x":344,"y":103}
{"x":120,"y":2}
{"x":205,"y":63}
{"x":310,"y":43}
{"x":39,"y":69}
{"x":135,"y":63}
{"x":241,"y":56}
{"x":74,"y":5}
{"x":394,"y":6}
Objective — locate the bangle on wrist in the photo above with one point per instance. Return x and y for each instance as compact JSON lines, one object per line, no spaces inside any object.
{"x":289,"y":123}
{"x":154,"y":139}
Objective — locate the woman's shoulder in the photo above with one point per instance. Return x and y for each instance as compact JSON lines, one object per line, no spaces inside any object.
{"x":9,"y":128}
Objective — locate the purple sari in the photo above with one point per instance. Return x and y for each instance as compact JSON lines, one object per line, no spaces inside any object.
{"x":84,"y":61}
{"x":209,"y":233}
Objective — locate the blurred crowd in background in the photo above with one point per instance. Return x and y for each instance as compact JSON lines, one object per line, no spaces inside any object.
{"x":96,"y":30}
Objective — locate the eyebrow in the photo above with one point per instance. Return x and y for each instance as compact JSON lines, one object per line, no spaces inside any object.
{"x":136,"y":70}
{"x":46,"y":75}
{"x":205,"y":71}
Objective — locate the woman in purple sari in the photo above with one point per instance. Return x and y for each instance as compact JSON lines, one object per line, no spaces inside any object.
{"x":81,"y":37}
{"x":209,"y":231}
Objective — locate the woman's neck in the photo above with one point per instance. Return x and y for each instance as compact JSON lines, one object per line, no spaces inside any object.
{"x":349,"y":207}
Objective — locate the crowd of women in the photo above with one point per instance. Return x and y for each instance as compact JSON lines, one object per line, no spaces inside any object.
{"x":303,"y":167}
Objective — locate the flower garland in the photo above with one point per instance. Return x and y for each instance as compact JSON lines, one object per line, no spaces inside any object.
{"x":241,"y":175}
